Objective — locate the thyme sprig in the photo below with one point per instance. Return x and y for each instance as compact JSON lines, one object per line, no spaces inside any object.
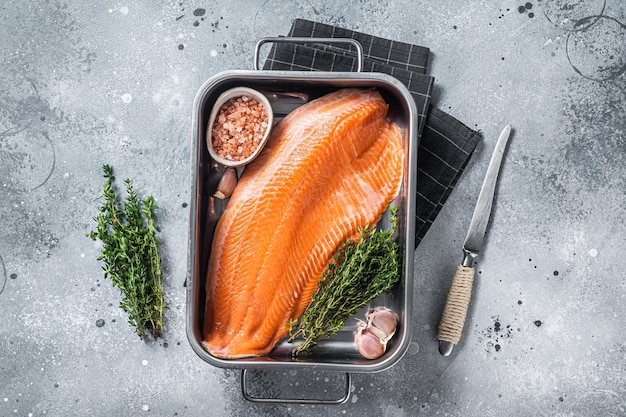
{"x":358,"y":272}
{"x":130,"y":252}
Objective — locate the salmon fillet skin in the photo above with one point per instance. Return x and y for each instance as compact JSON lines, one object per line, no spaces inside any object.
{"x":330,"y":167}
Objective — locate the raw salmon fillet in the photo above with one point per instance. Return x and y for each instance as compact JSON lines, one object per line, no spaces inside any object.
{"x":330,"y":167}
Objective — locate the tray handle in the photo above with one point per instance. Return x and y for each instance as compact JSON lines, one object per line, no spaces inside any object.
{"x":338,"y":401}
{"x":284,"y":39}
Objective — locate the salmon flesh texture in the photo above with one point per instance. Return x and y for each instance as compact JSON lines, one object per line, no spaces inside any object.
{"x":329,"y":168}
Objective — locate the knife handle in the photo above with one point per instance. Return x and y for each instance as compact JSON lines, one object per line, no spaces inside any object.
{"x":455,"y":310}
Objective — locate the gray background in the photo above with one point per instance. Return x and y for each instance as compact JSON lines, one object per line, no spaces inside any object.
{"x":82,"y":84}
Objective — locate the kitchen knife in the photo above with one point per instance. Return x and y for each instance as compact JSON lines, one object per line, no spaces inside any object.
{"x":455,"y":310}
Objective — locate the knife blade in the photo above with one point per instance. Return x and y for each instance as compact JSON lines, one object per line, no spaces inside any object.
{"x":457,"y":302}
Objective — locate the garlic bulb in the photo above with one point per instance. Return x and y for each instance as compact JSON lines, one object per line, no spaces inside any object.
{"x":371,"y":337}
{"x":227,"y":184}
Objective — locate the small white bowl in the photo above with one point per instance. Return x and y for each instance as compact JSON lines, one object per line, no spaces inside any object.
{"x":223,"y":98}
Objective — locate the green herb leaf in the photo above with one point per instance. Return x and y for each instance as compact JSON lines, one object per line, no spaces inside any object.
{"x":358,"y":273}
{"x":130,"y":254}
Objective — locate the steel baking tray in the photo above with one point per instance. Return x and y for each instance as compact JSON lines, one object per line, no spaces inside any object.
{"x":287,"y":90}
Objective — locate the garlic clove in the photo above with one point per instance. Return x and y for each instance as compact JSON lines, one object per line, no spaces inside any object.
{"x":377,"y":332}
{"x":371,"y":336}
{"x":227,"y":184}
{"x":382,"y":322}
{"x":368,"y":344}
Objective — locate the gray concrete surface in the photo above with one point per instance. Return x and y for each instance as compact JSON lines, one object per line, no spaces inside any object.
{"x":83,"y":83}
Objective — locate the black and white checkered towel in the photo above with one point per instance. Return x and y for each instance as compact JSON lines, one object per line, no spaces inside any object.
{"x":445,"y":144}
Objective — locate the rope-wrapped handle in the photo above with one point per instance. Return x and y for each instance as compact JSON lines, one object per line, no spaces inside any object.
{"x":455,"y":310}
